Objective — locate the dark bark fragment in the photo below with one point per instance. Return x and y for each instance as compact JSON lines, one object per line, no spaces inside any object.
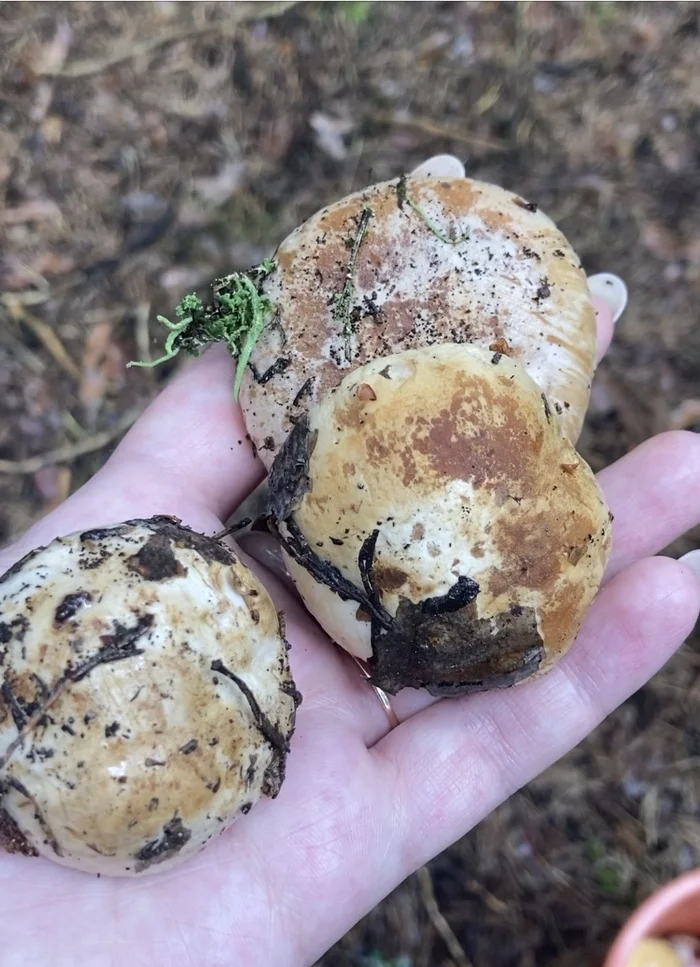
{"x":71,"y":604}
{"x":211,"y":549}
{"x":16,"y":710}
{"x":156,"y":560}
{"x":460,"y":594}
{"x":12,"y":783}
{"x":547,"y":410}
{"x":276,"y":369}
{"x":529,"y":206}
{"x":15,"y":629}
{"x":304,"y":391}
{"x":289,"y":475}
{"x":454,"y":652}
{"x":327,"y":574}
{"x":275,"y":771}
{"x":269,"y":731}
{"x":175,"y":836}
{"x":12,"y":839}
{"x":21,"y":564}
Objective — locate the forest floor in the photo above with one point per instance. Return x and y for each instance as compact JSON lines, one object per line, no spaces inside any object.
{"x":146,"y":149}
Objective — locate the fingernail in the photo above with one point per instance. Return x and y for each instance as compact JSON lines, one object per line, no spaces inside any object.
{"x":441,"y":166}
{"x":692,"y":560}
{"x":611,"y":289}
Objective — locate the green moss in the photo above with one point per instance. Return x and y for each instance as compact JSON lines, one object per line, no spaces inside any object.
{"x":236,"y":316}
{"x":356,"y":11}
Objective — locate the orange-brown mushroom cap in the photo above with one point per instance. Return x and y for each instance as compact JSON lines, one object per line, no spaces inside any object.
{"x":438,"y":523}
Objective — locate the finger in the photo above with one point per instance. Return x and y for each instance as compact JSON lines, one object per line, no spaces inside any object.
{"x":653,"y":495}
{"x":188,"y":456}
{"x":452,"y":764}
{"x":605,"y":327}
{"x":692,"y":560}
{"x":194,"y":435}
{"x":611,"y":289}
{"x":440,"y":166}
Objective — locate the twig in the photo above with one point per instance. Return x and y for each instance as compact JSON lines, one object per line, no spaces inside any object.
{"x":29,"y":297}
{"x":491,"y":901}
{"x":72,"y":451}
{"x":440,"y":925}
{"x":441,"y":131}
{"x":267,"y":729}
{"x":403,"y":199}
{"x":31,"y":211}
{"x":128,"y":49}
{"x":343,"y":299}
{"x":48,"y":337}
{"x":30,"y":360}
{"x":143,"y":336}
{"x":116,"y":647}
{"x":73,"y":428}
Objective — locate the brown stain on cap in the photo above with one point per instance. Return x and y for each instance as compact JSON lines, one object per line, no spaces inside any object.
{"x":410,"y":289}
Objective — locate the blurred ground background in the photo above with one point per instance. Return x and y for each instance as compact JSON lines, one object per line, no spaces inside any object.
{"x":147,"y":148}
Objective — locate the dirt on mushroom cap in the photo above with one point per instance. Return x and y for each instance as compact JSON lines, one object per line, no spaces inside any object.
{"x":407,"y":264}
{"x":146,"y":697}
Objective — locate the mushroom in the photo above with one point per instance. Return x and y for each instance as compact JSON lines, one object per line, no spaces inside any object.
{"x":146,"y":698}
{"x":658,"y":952}
{"x":437,"y":521}
{"x":410,"y":263}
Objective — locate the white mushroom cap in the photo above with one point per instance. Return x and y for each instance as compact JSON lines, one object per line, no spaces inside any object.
{"x":370,"y":275}
{"x":437,"y":522}
{"x":146,"y":697}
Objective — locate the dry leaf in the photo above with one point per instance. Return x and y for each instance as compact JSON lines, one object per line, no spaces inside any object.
{"x":43,"y":95}
{"x":37,"y":210}
{"x":102,"y":369}
{"x":686,"y":416}
{"x":219,"y":188}
{"x":53,"y":483}
{"x":330,"y":132}
{"x":660,"y":241}
{"x":18,"y":275}
{"x":49,"y":58}
{"x":275,"y":139}
{"x":48,"y":337}
{"x":52,"y":129}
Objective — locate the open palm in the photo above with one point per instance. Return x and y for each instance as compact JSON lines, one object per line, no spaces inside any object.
{"x":363,"y":806}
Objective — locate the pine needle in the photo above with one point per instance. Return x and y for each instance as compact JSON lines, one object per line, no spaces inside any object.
{"x":403,"y":199}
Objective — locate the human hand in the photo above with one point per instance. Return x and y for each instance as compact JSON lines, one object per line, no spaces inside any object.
{"x":363,"y":805}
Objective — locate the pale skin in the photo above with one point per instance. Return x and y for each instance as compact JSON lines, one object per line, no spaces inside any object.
{"x":363,"y":806}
